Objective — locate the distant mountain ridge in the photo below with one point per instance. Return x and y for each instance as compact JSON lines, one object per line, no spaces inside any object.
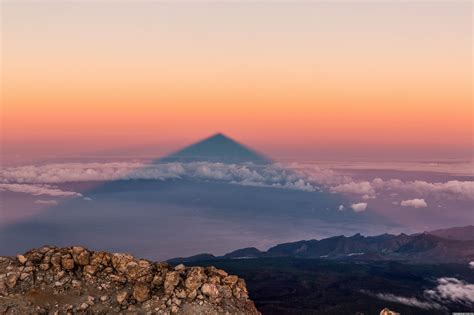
{"x":216,"y":148}
{"x":422,"y":247}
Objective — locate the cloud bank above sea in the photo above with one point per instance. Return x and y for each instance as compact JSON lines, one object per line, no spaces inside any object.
{"x":46,"y":179}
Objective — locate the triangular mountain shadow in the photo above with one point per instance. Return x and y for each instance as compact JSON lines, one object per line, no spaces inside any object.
{"x":216,"y":148}
{"x":184,"y":215}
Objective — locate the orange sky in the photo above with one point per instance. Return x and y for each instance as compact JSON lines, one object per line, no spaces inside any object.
{"x":293,"y":79}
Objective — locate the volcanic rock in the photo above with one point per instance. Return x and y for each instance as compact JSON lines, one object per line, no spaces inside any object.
{"x":75,"y":280}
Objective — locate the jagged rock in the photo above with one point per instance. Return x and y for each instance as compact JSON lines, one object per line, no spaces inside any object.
{"x":83,"y":258}
{"x":195,"y":278}
{"x":141,"y":292}
{"x":100,"y":259}
{"x":121,"y":296}
{"x":94,"y":282}
{"x":21,"y":259}
{"x":11,"y":280}
{"x":136,"y":270}
{"x":67,"y":262}
{"x":90,"y":269}
{"x":386,"y":311}
{"x":120,"y":261}
{"x":210,"y":290}
{"x":171,"y":281}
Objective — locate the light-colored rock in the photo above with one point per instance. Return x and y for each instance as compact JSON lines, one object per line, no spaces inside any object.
{"x":386,"y":311}
{"x":141,"y":292}
{"x":195,"y":278}
{"x":21,"y":259}
{"x":122,"y":296}
{"x":119,"y":282}
{"x":210,"y":290}
{"x":120,"y":261}
{"x":67,"y":263}
{"x":83,"y":258}
{"x":90,"y":269}
{"x":171,"y":281}
{"x":11,"y":280}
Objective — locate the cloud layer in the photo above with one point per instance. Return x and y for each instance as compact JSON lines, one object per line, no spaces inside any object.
{"x":453,"y":289}
{"x":414,"y":203}
{"x":38,"y":190}
{"x":447,"y":291}
{"x":359,"y":207}
{"x":46,"y":202}
{"x":410,"y":301}
{"x":306,"y":177}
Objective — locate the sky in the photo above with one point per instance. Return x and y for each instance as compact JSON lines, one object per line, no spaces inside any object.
{"x":386,"y":80}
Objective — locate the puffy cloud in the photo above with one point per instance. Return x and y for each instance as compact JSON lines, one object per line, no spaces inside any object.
{"x":46,"y":202}
{"x":449,"y":167}
{"x":38,"y":190}
{"x":448,"y":290}
{"x":359,"y":207}
{"x":362,"y":188}
{"x":454,"y":290}
{"x":450,"y":189}
{"x":341,"y":207}
{"x":410,"y":301}
{"x":415,"y":203}
{"x":471,"y":265}
{"x":459,"y":189}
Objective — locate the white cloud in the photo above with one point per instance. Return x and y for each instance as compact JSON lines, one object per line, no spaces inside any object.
{"x":410,"y":301}
{"x":38,"y":190}
{"x":46,"y":202}
{"x":307,"y":177}
{"x":359,"y":207}
{"x":362,"y":188}
{"x":453,"y":188}
{"x":450,"y":189}
{"x":341,"y":207}
{"x":454,"y":290}
{"x":448,"y":290}
{"x":414,"y":203}
{"x":471,"y":265}
{"x":250,"y":175}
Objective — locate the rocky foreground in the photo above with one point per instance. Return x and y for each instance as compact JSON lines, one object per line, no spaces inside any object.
{"x":51,"y":280}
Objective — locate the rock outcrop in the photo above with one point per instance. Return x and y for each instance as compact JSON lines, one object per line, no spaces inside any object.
{"x":386,"y":311}
{"x":51,"y":280}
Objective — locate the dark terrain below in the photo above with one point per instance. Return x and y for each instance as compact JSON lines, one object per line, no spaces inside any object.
{"x":314,"y":286}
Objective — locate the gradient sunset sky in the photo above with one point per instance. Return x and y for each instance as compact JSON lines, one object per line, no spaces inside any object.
{"x":382,"y":79}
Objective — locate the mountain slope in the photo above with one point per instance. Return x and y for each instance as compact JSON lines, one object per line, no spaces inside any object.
{"x":463,"y":233}
{"x":422,"y":247}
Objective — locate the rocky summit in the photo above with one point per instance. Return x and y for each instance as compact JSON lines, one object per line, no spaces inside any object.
{"x":75,"y":280}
